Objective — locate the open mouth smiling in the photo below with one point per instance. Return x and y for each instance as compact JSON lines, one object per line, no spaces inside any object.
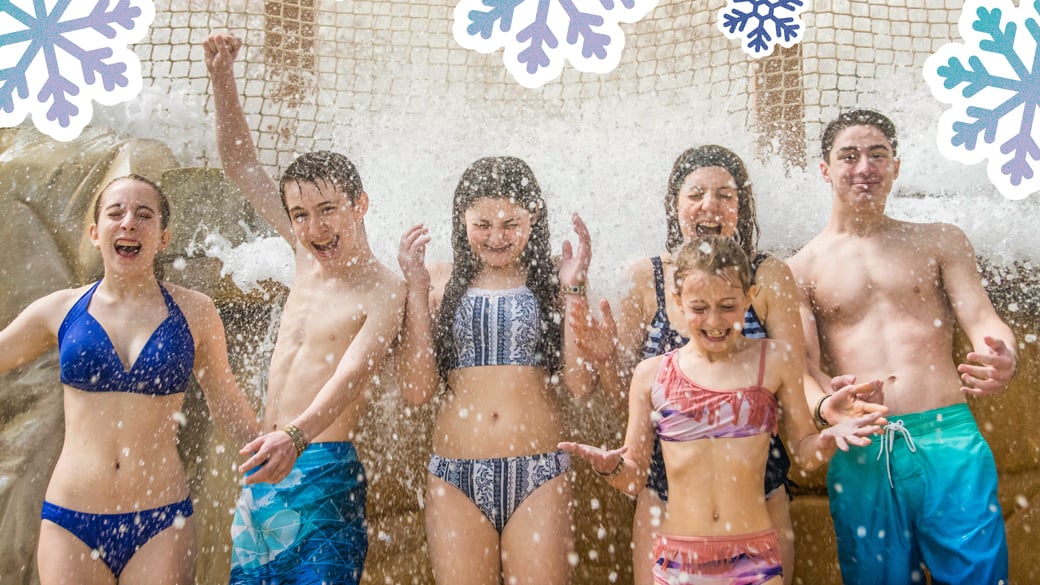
{"x":327,"y":246}
{"x":707,"y":229}
{"x":127,"y":248}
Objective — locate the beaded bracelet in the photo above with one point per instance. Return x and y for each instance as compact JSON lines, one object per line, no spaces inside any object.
{"x":818,"y":416}
{"x":576,"y":289}
{"x":298,"y":440}
{"x":616,"y":471}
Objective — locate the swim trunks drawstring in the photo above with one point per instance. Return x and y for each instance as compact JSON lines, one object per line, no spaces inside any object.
{"x":889,"y":439}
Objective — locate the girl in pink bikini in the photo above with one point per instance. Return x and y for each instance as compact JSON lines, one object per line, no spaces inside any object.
{"x":714,"y":403}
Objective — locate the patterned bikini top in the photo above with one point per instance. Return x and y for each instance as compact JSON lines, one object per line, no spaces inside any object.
{"x":686,"y":411}
{"x":661,"y":338}
{"x":89,"y":361}
{"x":497,"y":328}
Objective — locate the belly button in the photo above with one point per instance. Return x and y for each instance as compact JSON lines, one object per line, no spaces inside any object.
{"x":494,"y":416}
{"x":715,"y":514}
{"x":117,"y":466}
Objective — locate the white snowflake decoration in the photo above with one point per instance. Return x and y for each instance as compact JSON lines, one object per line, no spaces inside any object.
{"x":58,"y":58}
{"x":775,"y":22}
{"x":993,"y":82}
{"x":539,"y":35}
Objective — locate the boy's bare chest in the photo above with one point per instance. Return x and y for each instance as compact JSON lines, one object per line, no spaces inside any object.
{"x":853,"y":280}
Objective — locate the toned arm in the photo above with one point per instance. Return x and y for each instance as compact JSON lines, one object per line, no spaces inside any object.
{"x":33,"y":331}
{"x":234,"y":141}
{"x":992,"y":340}
{"x":227,"y":404}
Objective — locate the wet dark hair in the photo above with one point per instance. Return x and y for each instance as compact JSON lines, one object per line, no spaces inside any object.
{"x":711,"y":155}
{"x":717,"y":255}
{"x":164,"y":203}
{"x":502,"y":177}
{"x":323,"y":165}
{"x":857,"y":118}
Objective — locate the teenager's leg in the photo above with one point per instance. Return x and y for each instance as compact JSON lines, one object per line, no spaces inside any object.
{"x":64,"y":559}
{"x":539,"y":537}
{"x":464,"y":546}
{"x":168,"y":558}
{"x":650,"y":512}
{"x":779,"y":505}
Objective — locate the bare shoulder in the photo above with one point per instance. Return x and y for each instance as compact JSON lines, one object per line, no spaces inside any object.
{"x":52,"y":308}
{"x":646,"y":371}
{"x":197,"y":307}
{"x":187,"y":298}
{"x":440,"y":272}
{"x":772,"y":272}
{"x":777,"y":350}
{"x":803,"y":261}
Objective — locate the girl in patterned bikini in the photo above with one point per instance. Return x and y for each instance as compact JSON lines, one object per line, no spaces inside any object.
{"x":489,"y":327}
{"x":714,"y":403}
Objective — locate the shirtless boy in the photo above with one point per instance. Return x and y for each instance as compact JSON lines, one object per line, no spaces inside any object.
{"x":883,"y":296}
{"x":344,"y":310}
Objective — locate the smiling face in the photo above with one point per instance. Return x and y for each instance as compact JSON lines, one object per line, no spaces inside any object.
{"x":708,"y":203}
{"x":324,"y":220}
{"x":713,"y":306}
{"x":128,"y":227}
{"x":861,"y":167}
{"x":497,"y":230}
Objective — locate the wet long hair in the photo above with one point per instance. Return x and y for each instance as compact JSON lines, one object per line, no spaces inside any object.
{"x":502,"y":177}
{"x":716,"y":255}
{"x":711,"y":155}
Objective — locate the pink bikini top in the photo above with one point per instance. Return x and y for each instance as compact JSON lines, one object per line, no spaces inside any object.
{"x":687,"y":411}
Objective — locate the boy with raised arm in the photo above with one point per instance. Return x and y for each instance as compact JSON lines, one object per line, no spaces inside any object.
{"x":883,"y":297}
{"x":343,"y":311}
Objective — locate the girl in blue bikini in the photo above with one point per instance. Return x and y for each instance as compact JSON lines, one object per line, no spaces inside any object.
{"x":489,"y":327}
{"x":117,"y":509}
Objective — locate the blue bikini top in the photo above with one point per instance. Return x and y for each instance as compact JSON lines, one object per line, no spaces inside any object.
{"x":497,"y":328}
{"x":661,"y":338}
{"x":89,"y":360}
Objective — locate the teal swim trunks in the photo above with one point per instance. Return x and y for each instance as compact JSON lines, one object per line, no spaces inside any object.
{"x":308,"y":529}
{"x":923,"y":496}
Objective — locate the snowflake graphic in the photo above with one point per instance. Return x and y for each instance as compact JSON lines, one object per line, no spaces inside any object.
{"x":993,"y":113}
{"x":775,"y":22}
{"x":63,"y":56}
{"x":539,"y":35}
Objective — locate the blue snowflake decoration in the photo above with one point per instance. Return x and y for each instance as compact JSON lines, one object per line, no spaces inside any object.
{"x":763,"y":25}
{"x":58,"y":58}
{"x":993,"y":83}
{"x":538,"y":36}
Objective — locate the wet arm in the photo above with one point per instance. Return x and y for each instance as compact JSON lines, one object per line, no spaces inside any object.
{"x":579,"y":375}
{"x":975,"y":313}
{"x":30,"y":334}
{"x":417,"y":373}
{"x":227,"y":403}
{"x":639,"y":435}
{"x":234,"y":139}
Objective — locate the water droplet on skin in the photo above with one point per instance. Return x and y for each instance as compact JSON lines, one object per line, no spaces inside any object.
{"x":573,"y":559}
{"x":180,"y":418}
{"x":179,"y":522}
{"x":126,"y":451}
{"x":938,"y":323}
{"x":463,"y":413}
